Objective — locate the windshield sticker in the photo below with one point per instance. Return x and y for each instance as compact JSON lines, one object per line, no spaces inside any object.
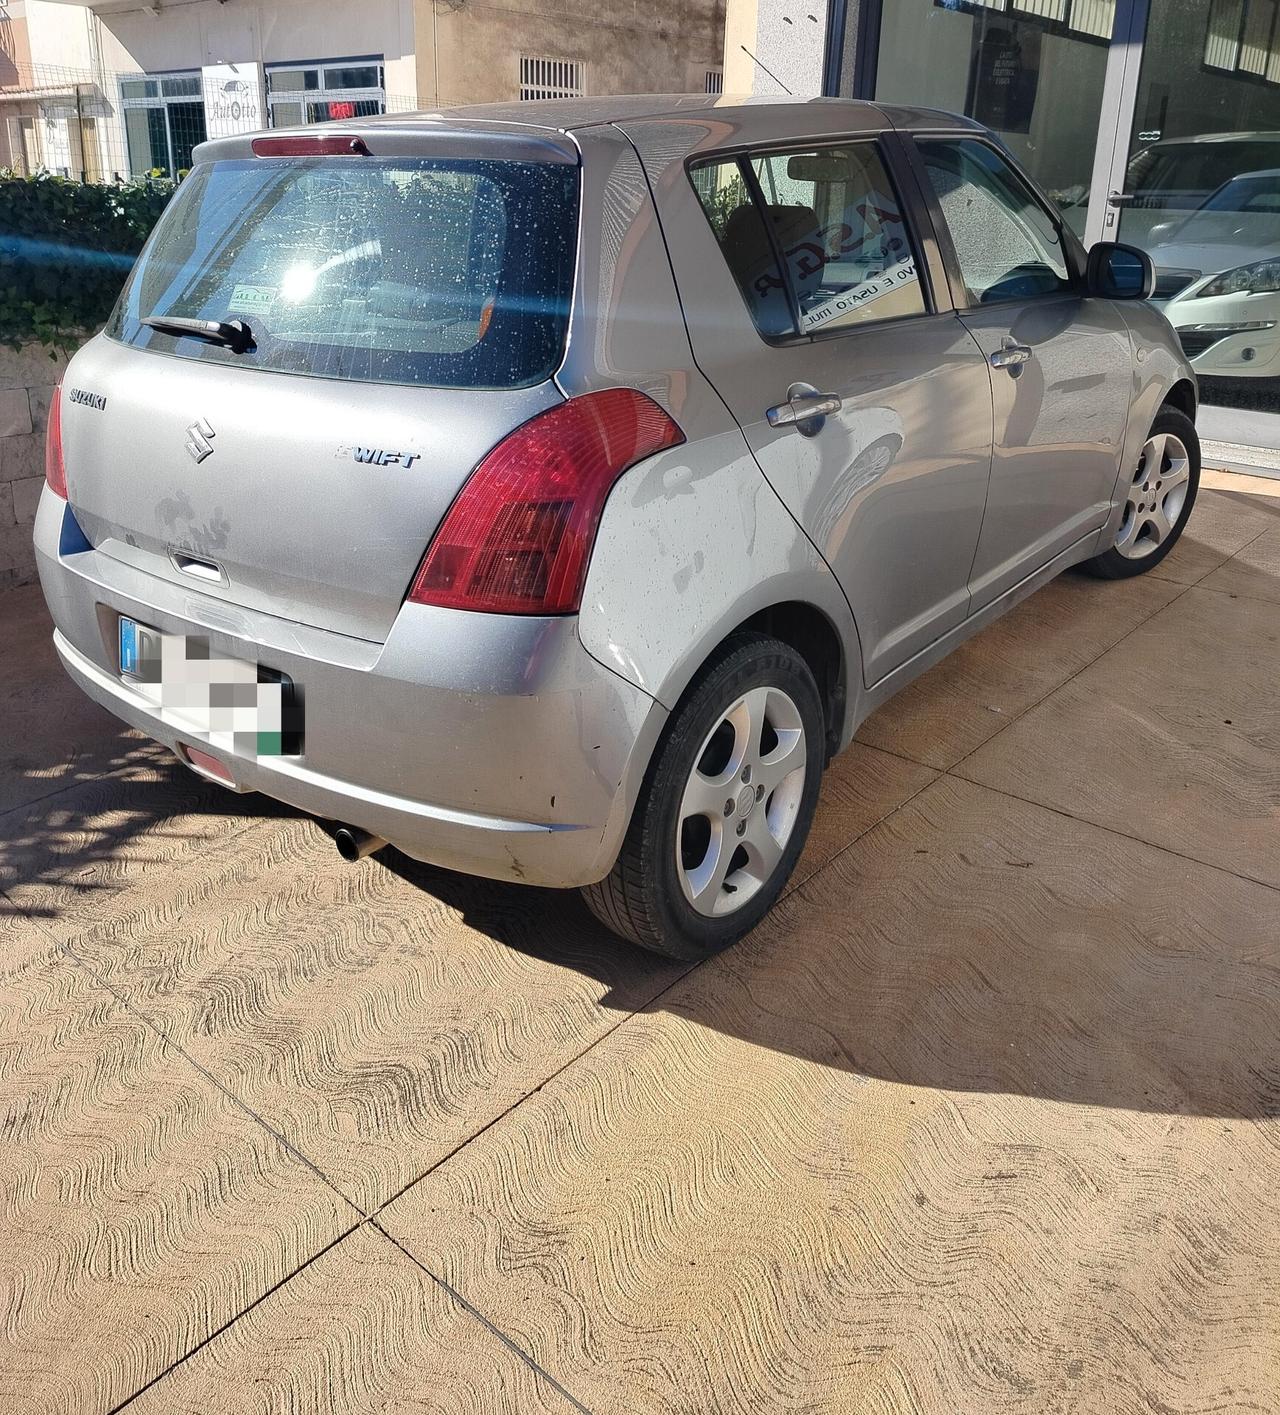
{"x":252,"y":299}
{"x":843,"y":305}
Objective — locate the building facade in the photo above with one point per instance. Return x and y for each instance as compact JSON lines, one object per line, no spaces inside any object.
{"x":119,"y":88}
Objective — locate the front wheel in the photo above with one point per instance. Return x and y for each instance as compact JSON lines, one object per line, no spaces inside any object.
{"x":725,"y":808}
{"x":1158,"y":499}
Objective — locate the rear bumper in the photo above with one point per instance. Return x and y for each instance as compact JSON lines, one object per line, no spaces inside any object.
{"x":488,"y":744}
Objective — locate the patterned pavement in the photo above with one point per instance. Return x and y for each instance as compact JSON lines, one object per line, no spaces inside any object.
{"x":985,"y":1118}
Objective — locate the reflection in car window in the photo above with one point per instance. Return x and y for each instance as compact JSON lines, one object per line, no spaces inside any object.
{"x":840,"y":230}
{"x":451,"y":272}
{"x":1005,"y":242}
{"x":838,"y":226}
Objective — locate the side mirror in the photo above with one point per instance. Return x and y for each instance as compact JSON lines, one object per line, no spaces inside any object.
{"x":1120,"y":272}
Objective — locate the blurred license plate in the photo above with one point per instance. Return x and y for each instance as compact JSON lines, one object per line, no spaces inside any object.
{"x":234,"y":704}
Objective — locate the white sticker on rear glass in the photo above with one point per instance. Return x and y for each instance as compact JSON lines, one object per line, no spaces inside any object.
{"x":251,"y":299}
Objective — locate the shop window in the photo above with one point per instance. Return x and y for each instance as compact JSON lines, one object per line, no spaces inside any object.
{"x":324,"y":93}
{"x":163,"y":121}
{"x":550,"y":78}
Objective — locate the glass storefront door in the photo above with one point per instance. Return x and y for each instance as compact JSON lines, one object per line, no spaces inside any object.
{"x":1153,"y":122}
{"x":1201,"y":193}
{"x":1031,"y":70}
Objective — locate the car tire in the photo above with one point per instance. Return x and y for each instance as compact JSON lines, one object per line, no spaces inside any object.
{"x":1150,"y":498}
{"x":760,"y":796}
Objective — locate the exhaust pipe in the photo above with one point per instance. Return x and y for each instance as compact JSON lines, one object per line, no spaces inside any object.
{"x":354,"y":844}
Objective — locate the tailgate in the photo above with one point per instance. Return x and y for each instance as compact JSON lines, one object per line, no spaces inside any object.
{"x":314,"y":500}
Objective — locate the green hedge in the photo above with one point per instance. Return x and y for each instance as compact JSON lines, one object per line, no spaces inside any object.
{"x":65,"y":249}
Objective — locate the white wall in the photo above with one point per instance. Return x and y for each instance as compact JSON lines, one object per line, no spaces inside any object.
{"x":787,"y":37}
{"x":57,"y":34}
{"x":193,"y":35}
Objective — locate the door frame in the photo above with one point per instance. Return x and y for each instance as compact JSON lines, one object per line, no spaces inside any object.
{"x":1115,"y":122}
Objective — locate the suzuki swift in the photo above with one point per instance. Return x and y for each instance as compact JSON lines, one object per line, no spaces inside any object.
{"x":551,"y":490}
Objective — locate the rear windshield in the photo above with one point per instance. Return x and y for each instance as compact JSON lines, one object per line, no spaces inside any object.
{"x":453,"y":273}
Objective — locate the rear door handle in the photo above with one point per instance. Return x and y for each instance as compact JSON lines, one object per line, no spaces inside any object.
{"x":804,"y":411}
{"x":1011,"y":356}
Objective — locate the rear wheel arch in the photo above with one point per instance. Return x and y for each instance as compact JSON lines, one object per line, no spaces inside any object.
{"x":805,"y":628}
{"x":1182,"y":396}
{"x":811,"y":632}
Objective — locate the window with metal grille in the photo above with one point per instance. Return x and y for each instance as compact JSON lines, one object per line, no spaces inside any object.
{"x":715,"y":81}
{"x":163,"y":121}
{"x":550,"y":78}
{"x":320,"y":93}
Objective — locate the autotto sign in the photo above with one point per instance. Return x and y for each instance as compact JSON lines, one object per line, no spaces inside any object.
{"x":232,"y":99}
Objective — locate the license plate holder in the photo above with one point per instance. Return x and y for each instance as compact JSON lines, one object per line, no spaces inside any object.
{"x":213,"y":694}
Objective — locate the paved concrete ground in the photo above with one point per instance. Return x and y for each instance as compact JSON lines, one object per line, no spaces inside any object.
{"x":985,"y":1118}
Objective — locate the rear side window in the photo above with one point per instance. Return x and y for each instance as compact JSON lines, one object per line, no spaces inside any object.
{"x":452,"y":273}
{"x":826,"y":246}
{"x":1006,"y":243}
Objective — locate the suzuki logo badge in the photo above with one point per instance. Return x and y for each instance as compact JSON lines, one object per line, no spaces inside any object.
{"x":198,"y":435}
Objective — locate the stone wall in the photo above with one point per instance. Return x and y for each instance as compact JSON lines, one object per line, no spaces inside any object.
{"x":27,"y":380}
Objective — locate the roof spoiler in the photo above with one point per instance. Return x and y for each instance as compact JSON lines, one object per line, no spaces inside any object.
{"x":418,"y":137}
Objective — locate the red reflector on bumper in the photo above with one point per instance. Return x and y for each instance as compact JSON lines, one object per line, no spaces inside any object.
{"x":207,"y":765}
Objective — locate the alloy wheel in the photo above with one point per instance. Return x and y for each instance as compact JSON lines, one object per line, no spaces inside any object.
{"x":1156,"y":496}
{"x":741,"y":801}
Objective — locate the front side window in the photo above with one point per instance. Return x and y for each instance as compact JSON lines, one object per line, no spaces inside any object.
{"x":450,"y":272}
{"x":827,"y":246}
{"x":1006,"y":243}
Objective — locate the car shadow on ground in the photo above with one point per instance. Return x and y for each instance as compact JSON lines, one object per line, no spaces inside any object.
{"x":104,"y":819}
{"x":1119,"y":1020}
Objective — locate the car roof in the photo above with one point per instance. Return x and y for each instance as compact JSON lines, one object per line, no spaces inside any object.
{"x":747,"y":112}
{"x":545,"y":124}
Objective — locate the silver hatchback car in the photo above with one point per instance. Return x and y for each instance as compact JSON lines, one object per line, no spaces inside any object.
{"x":551,"y":490}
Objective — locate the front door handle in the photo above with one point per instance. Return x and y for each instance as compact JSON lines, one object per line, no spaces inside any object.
{"x":804,"y":409}
{"x":1011,"y":356}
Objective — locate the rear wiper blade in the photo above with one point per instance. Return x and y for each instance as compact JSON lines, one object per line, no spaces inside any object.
{"x":234,"y":333}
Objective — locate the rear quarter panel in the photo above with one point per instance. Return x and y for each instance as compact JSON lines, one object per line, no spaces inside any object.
{"x":693,"y":541}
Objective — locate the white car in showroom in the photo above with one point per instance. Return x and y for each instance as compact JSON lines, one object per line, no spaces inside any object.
{"x":1218,"y":269}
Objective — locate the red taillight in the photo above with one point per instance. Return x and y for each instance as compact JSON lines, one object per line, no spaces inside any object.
{"x":321,"y":145}
{"x":55,"y":470}
{"x":518,"y":537}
